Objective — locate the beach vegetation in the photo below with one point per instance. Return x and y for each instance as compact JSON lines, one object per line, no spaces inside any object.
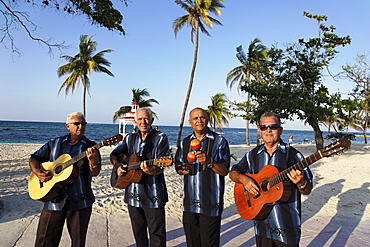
{"x":252,"y":65}
{"x":344,"y":115}
{"x":101,"y":13}
{"x":218,"y":112}
{"x":138,"y":96}
{"x":293,"y":84}
{"x":198,"y":18}
{"x":339,"y":135}
{"x":81,"y":65}
{"x":359,"y":73}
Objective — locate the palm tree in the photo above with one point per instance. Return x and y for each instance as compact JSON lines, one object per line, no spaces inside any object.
{"x":218,"y":113}
{"x":198,"y":18}
{"x":138,"y":97}
{"x":82,"y":64}
{"x":252,"y":65}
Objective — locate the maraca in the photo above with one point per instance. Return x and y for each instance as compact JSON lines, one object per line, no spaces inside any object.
{"x":191,"y":157}
{"x":195,"y":145}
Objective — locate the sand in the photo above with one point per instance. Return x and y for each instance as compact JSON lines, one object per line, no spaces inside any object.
{"x":341,"y":185}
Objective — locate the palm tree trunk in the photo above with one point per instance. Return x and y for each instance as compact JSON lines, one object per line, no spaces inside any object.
{"x":84,"y":101}
{"x":247,"y":124}
{"x":190,"y":85}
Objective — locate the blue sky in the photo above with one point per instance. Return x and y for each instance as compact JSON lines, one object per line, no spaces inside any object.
{"x":149,"y":56}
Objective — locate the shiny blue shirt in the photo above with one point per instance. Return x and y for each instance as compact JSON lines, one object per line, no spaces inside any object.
{"x":284,"y":220}
{"x":204,"y":189}
{"x":79,"y":194}
{"x":151,"y":191}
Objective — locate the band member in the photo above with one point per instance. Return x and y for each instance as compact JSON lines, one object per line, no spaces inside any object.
{"x":147,"y":198}
{"x":204,"y":182}
{"x":74,"y":201}
{"x":282,"y":226}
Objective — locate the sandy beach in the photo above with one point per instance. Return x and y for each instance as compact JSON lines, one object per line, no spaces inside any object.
{"x":341,"y":192}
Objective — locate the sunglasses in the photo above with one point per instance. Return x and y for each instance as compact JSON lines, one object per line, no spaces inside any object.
{"x":78,"y":123}
{"x":201,"y":118}
{"x":271,"y":126}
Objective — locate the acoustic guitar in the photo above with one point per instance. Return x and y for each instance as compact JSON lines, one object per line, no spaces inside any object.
{"x":134,"y":173}
{"x":275,"y":185}
{"x":63,"y":172}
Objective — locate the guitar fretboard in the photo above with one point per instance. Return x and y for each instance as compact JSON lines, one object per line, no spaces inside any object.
{"x":151,"y":162}
{"x":283,"y":176}
{"x":79,"y":156}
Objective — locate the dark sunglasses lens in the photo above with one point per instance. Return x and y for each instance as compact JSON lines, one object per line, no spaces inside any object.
{"x":78,"y":123}
{"x":272,"y":127}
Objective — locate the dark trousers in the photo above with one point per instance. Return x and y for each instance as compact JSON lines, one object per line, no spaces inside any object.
{"x":152,"y":219}
{"x":50,"y":227}
{"x":201,"y":230}
{"x":268,"y":242}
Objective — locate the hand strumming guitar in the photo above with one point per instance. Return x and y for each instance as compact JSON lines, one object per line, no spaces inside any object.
{"x":249,"y":184}
{"x":42,"y":174}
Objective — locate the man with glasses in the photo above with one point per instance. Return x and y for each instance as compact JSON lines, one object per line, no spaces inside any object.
{"x":282,"y":225}
{"x":204,"y":181}
{"x":146,"y":199}
{"x":74,"y":201}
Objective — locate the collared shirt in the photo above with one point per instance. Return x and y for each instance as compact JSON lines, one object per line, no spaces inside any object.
{"x":204,"y":189}
{"x":151,"y":191}
{"x":79,"y":193}
{"x":284,"y":220}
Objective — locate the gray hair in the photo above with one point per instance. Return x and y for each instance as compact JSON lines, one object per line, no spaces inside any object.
{"x":70,"y":115}
{"x":271,"y":114}
{"x":147,"y":110}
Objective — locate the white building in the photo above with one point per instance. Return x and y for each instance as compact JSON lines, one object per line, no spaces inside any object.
{"x":126,"y":123}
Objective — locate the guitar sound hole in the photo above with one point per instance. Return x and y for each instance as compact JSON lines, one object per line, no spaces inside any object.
{"x":264,"y":185}
{"x":58,"y":169}
{"x":256,"y":196}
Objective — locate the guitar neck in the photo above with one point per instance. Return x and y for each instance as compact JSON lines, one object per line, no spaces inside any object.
{"x":136,"y":165}
{"x":80,"y":156}
{"x":283,"y":176}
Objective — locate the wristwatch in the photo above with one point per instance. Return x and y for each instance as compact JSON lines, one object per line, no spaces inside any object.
{"x":210,"y":165}
{"x":303,"y":186}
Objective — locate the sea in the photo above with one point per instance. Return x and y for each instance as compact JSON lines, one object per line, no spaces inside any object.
{"x":41,"y":132}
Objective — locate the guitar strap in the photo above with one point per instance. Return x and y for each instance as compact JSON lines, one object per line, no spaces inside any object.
{"x":291,"y":156}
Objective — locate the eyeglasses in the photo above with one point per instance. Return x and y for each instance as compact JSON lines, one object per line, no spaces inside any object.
{"x":78,"y":123}
{"x":201,"y":118}
{"x":271,"y":126}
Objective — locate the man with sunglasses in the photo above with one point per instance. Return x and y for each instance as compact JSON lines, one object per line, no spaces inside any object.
{"x":282,"y":225}
{"x":73,"y":201}
{"x":204,"y":182}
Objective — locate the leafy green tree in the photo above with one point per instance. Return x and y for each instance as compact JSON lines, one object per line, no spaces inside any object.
{"x":98,"y":12}
{"x":197,"y":17}
{"x":138,"y":96}
{"x":218,"y":112}
{"x":295,"y":88}
{"x":359,"y":73}
{"x":253,"y":66}
{"x":81,"y":65}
